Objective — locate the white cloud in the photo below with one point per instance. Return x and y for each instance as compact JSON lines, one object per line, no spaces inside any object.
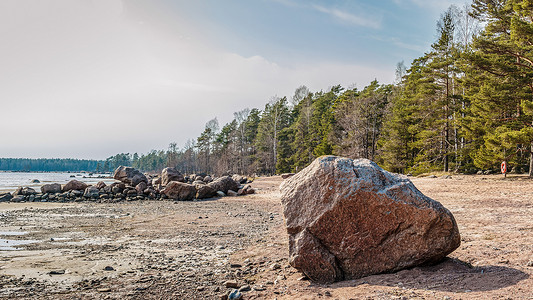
{"x":401,"y":44}
{"x":91,"y":81}
{"x":413,"y":47}
{"x":368,"y":20}
{"x":434,"y":5}
{"x":349,"y":18}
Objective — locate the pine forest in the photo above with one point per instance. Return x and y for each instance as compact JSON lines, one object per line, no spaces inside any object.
{"x":466,"y":105}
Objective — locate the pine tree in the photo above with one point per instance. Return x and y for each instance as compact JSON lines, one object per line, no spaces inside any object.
{"x":302,"y":142}
{"x":274,"y":119}
{"x":323,"y":123}
{"x":360,"y":117}
{"x":503,"y":53}
{"x":400,"y":140}
{"x":205,"y":145}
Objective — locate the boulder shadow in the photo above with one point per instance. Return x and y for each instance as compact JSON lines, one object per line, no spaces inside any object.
{"x":450,"y":275}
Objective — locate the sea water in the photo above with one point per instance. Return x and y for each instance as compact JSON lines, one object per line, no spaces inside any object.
{"x":10,"y":181}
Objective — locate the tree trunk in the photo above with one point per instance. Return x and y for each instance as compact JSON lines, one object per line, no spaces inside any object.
{"x":275,"y":148}
{"x":531,"y":161}
{"x":446,"y":127}
{"x":446,"y":137}
{"x":446,"y":124}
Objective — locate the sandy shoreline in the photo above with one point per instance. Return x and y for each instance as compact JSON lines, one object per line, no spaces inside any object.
{"x":166,"y":249}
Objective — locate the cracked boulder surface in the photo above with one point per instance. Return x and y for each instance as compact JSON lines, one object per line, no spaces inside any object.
{"x":347,"y":219}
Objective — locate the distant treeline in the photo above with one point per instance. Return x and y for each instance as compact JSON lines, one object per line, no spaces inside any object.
{"x":47,"y":164}
{"x":465,"y":105}
{"x":64,"y":164}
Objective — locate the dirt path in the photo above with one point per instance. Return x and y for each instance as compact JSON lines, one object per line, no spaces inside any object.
{"x":189,"y":250}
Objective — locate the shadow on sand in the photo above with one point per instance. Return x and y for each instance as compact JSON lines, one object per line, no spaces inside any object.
{"x":450,"y":275}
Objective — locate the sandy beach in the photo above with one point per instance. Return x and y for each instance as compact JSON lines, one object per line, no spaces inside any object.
{"x":194,"y":250}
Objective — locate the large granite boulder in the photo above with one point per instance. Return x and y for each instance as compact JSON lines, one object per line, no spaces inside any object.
{"x":74,"y":185}
{"x":171,"y":174}
{"x":100,"y":185}
{"x":24,"y":191}
{"x":246,"y":190}
{"x":141,"y":187}
{"x":204,"y":191}
{"x":224,"y":184}
{"x":179,"y":191}
{"x":28,"y":191}
{"x":52,"y":188}
{"x":156,"y":181}
{"x":129,"y":175}
{"x":91,"y":192}
{"x":117,"y":187}
{"x":349,"y":218}
{"x":239,"y":179}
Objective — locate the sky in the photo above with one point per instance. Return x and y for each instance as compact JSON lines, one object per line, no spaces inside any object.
{"x":93,"y":78}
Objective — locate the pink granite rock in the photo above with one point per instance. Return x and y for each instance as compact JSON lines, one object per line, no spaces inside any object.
{"x":349,"y":218}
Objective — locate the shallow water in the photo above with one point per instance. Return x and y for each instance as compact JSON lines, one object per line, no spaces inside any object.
{"x":13,"y":232}
{"x":6,"y":244}
{"x":11,"y":245}
{"x":10,"y":181}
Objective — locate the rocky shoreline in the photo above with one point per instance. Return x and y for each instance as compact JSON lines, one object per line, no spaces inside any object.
{"x":209,"y":249}
{"x":133,"y":185}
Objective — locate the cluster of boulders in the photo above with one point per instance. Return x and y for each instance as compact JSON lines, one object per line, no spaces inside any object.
{"x":134,"y":185}
{"x":174,"y":185}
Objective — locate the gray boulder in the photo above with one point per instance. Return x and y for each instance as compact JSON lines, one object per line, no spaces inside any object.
{"x":91,"y":192}
{"x":74,"y":185}
{"x":171,"y":174}
{"x":27,"y":191}
{"x":117,"y":187}
{"x":224,"y":184}
{"x":107,"y":189}
{"x":5,"y":197}
{"x":246,"y":190}
{"x":141,"y":187}
{"x":179,"y":191}
{"x":18,"y":198}
{"x":100,"y":185}
{"x":75,"y":193}
{"x":156,"y":181}
{"x":129,"y":175}
{"x":204,"y":191}
{"x":239,"y":179}
{"x":52,"y":188}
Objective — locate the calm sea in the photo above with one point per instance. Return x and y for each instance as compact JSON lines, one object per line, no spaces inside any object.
{"x":10,"y":181}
